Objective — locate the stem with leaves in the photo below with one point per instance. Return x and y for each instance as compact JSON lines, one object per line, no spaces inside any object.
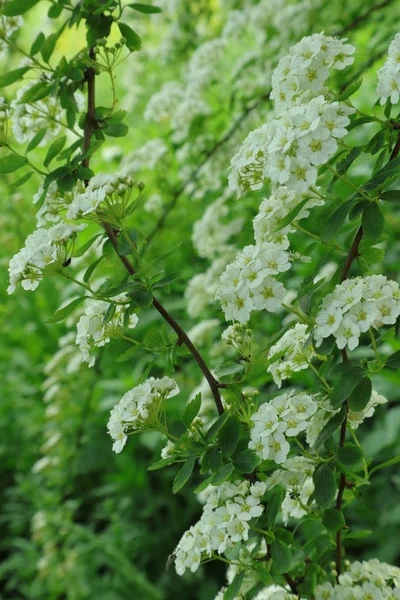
{"x":183,"y":338}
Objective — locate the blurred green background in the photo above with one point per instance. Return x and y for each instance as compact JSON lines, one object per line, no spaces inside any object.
{"x":77,"y":521}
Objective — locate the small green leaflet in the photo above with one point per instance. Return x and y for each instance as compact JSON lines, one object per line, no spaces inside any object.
{"x":373,"y":221}
{"x":234,"y":588}
{"x":184,"y":474}
{"x":133,"y":41}
{"x":281,"y":556}
{"x":12,"y":162}
{"x":63,"y":312}
{"x":192,"y":410}
{"x":147,"y":9}
{"x":325,"y":485}
{"x":17,"y":7}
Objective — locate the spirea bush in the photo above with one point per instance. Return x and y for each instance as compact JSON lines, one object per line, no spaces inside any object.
{"x":292,"y":324}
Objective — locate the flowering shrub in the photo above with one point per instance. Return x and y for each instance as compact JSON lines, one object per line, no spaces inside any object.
{"x":276,"y":474}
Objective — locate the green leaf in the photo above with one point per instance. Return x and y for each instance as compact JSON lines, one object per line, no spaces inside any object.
{"x":11,"y":76}
{"x":117,"y":129}
{"x":126,"y":240}
{"x":37,"y":44}
{"x":12,"y":162}
{"x":184,"y":474}
{"x":228,"y":435}
{"x":127,"y":355}
{"x":234,"y":588}
{"x":133,"y":41}
{"x":361,"y":394}
{"x":63,"y":312}
{"x":177,"y":428}
{"x":147,"y":9}
{"x":90,"y":270}
{"x":273,"y":501}
{"x":350,"y":90}
{"x":281,"y":556}
{"x":245,"y":461}
{"x":373,"y":221}
{"x":54,"y":149}
{"x":49,"y":44}
{"x":12,"y":8}
{"x":35,"y":141}
{"x":67,"y":183}
{"x":333,"y":519}
{"x":215,"y":427}
{"x":160,"y":464}
{"x":336,"y":221}
{"x":222,"y":474}
{"x":389,"y":172}
{"x":388,"y":463}
{"x":325,"y":485}
{"x":346,"y":385}
{"x":393,"y":362}
{"x":330,"y":428}
{"x":16,"y":184}
{"x":390,"y":196}
{"x":350,"y":455}
{"x":291,"y":215}
{"x":344,"y":164}
{"x":192,"y":410}
{"x":37,"y":92}
{"x":229,"y":368}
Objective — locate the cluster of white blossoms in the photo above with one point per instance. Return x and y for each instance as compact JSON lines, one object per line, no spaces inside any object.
{"x":146,"y":157}
{"x":103,"y":189}
{"x":356,"y":305}
{"x":283,"y":417}
{"x":95,"y":330}
{"x":303,"y":72}
{"x":249,"y":284}
{"x":8,"y":27}
{"x":289,"y":149}
{"x":275,"y":208}
{"x":296,"y":478}
{"x":51,"y":201}
{"x":29,"y":117}
{"x":211,"y":233}
{"x":42,"y":248}
{"x":367,"y":580}
{"x":224,"y":522}
{"x":238,"y":336}
{"x":139,"y":409}
{"x":292,"y":354}
{"x":389,"y":74}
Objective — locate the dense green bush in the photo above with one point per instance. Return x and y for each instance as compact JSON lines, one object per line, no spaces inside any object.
{"x":172,"y":109}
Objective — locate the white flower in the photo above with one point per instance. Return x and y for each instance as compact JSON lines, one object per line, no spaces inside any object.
{"x":92,"y":331}
{"x":139,"y":408}
{"x":293,"y":355}
{"x":389,"y":74}
{"x":354,"y":307}
{"x":42,"y":248}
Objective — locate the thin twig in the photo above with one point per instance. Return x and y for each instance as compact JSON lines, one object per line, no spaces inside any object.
{"x":182,"y":335}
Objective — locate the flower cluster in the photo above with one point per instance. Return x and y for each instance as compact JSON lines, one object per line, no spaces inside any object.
{"x":296,"y":478}
{"x":302,"y":73}
{"x":29,"y":117}
{"x":201,"y":289}
{"x":282,"y":417}
{"x":249,"y":284}
{"x":94,"y":329}
{"x":367,"y":580}
{"x":389,"y":74}
{"x":225,"y":520}
{"x":210,"y":233}
{"x":107,"y":190}
{"x":238,"y":336}
{"x":51,"y":201}
{"x":290,"y":354}
{"x":42,"y":248}
{"x":356,"y":305}
{"x":267,"y":223}
{"x":289,"y":149}
{"x":139,"y":409}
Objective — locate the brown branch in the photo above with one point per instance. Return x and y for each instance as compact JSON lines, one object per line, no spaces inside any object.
{"x":182,"y":335}
{"x":361,"y":18}
{"x":352,"y":255}
{"x":291,"y":583}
